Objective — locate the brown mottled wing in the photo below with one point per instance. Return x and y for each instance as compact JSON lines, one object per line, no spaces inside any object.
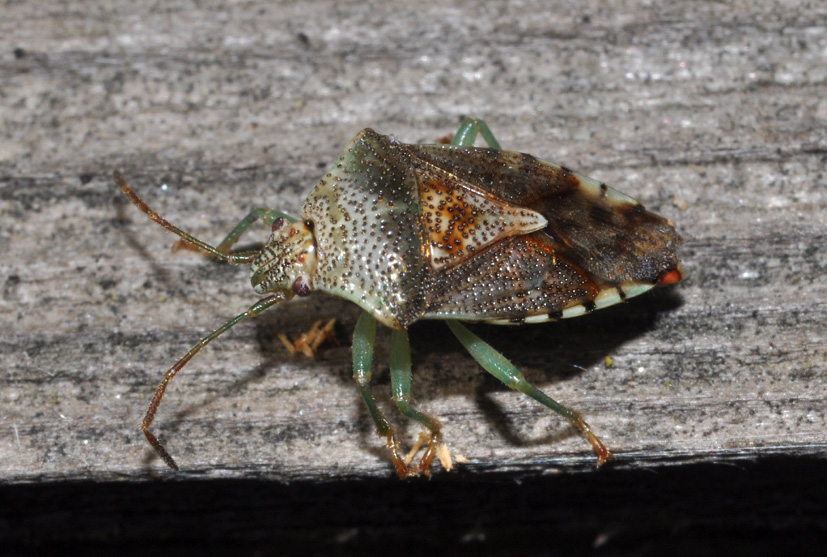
{"x":599,"y":247}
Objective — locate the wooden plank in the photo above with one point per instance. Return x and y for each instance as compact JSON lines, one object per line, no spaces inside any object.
{"x":710,"y":114}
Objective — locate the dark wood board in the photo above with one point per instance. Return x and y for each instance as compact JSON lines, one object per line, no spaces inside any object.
{"x":712,"y":114}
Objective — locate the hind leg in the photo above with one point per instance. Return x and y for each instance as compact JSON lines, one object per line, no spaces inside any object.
{"x":498,"y":365}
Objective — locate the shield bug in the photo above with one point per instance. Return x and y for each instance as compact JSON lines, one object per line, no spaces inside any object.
{"x":450,"y":232}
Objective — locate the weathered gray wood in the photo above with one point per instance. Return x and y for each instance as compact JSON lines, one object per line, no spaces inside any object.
{"x":712,"y":114}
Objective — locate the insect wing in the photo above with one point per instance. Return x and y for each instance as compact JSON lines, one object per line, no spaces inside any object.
{"x":598,"y":248}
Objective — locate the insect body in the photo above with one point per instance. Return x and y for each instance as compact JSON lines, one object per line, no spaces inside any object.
{"x":450,"y":232}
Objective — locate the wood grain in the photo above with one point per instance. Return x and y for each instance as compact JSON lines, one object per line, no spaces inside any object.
{"x":712,"y":114}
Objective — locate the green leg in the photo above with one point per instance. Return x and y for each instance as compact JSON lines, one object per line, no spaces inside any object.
{"x":364,"y":339}
{"x":252,"y":311}
{"x":266,"y":215}
{"x":497,"y":365}
{"x":401,"y":389}
{"x":468,"y":131}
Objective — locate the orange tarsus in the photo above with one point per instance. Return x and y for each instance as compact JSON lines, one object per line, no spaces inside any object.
{"x":602,"y":451}
{"x":308,"y":343}
{"x":433,"y":441}
{"x":183,"y":244}
{"x":443,"y":454}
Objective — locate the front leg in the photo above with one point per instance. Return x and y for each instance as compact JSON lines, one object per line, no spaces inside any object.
{"x":267,"y":215}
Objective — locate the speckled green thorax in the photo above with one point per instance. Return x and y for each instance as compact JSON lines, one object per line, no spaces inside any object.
{"x":369,"y":240}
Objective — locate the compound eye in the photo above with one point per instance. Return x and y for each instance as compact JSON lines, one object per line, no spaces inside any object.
{"x":278,"y":224}
{"x":300,"y":287}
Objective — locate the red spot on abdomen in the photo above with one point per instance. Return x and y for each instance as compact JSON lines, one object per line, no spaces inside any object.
{"x":670,"y":277}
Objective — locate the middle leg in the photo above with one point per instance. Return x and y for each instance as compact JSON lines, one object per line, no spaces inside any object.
{"x":364,"y":339}
{"x":401,"y":390}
